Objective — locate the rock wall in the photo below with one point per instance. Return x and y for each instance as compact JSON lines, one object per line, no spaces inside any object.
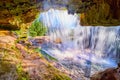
{"x":103,"y":12}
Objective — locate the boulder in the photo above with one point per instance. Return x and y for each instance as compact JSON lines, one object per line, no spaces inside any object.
{"x":108,"y":74}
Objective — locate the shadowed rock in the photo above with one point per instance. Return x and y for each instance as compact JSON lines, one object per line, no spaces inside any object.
{"x":108,"y":74}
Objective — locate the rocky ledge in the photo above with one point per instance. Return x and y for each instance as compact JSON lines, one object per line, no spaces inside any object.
{"x":19,"y":60}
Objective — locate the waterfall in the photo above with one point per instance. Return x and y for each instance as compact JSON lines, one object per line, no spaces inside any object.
{"x":82,"y":45}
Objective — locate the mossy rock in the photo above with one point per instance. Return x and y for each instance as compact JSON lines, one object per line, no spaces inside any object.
{"x":26,"y":10}
{"x":60,"y":77}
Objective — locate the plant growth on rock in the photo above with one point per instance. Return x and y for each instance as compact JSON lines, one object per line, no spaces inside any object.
{"x":37,"y":29}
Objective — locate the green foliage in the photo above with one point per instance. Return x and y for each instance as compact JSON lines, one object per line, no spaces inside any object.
{"x":37,"y":29}
{"x":99,"y":15}
{"x":17,"y":7}
{"x":21,"y":34}
{"x":37,"y":50}
{"x":19,"y":68}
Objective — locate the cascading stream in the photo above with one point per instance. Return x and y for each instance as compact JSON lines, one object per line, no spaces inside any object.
{"x":97,"y":47}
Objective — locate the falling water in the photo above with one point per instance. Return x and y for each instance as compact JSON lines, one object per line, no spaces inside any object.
{"x":97,"y":47}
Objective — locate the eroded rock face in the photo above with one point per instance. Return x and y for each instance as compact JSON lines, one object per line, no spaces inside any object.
{"x":108,"y":74}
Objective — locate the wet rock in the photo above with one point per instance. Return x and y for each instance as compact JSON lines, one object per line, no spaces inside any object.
{"x":108,"y":74}
{"x":37,"y":41}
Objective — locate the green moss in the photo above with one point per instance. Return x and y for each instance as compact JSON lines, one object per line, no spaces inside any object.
{"x":60,"y":77}
{"x":21,"y":74}
{"x":4,"y":67}
{"x":7,"y":69}
{"x":47,"y":56}
{"x":55,"y":74}
{"x":37,"y":29}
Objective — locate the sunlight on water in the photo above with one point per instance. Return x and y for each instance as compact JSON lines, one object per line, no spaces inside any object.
{"x":97,"y":45}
